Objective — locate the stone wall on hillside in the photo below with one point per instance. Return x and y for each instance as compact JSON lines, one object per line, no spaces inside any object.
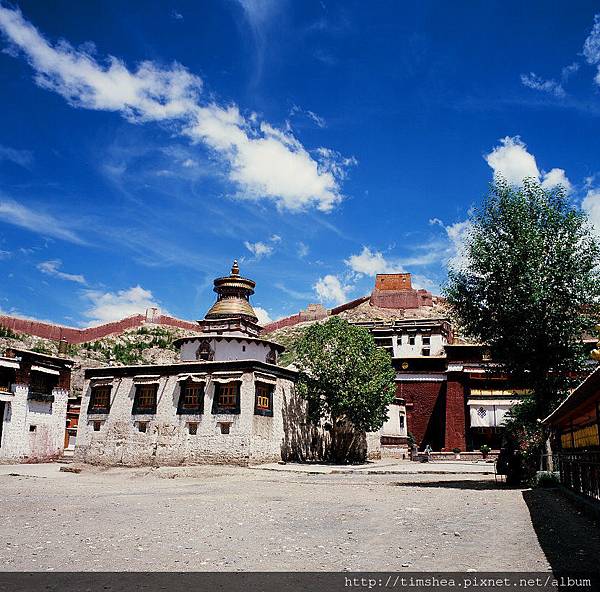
{"x":72,"y":335}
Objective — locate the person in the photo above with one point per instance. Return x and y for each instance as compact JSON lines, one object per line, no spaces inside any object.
{"x":428,"y":451}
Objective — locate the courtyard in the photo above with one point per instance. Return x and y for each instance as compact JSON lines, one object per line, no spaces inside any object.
{"x":218,"y":518}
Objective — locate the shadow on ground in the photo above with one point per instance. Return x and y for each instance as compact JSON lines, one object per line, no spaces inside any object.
{"x":454,"y":484}
{"x":569,"y":537}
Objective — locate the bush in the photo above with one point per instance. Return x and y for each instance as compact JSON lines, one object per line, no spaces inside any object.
{"x":545,"y":479}
{"x":456,"y":450}
{"x":485,"y":449}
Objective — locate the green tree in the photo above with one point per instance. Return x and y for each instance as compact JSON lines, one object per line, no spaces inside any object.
{"x":347,"y":380}
{"x":529,"y":289}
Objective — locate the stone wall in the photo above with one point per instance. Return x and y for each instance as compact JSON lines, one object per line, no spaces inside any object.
{"x":73,"y":335}
{"x":33,"y":431}
{"x":167,"y":441}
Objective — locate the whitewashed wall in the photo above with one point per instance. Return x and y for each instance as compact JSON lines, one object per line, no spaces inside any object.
{"x":252,"y":438}
{"x":392,"y":426}
{"x":19,"y":443}
{"x":227,"y":350}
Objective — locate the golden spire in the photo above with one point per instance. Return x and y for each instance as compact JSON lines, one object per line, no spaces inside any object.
{"x":233,"y":292}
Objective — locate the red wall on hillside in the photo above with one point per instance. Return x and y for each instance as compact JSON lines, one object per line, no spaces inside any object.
{"x":73,"y":335}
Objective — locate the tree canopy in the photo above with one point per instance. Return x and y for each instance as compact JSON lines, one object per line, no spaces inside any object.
{"x":345,"y":377}
{"x":529,"y":287}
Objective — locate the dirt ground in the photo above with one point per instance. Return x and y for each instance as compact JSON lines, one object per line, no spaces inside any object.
{"x":226,"y":518}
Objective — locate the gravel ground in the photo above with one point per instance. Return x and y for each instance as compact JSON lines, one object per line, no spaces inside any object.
{"x":228,"y":518}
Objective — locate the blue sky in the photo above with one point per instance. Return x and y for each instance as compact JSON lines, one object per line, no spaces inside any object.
{"x":145,"y":145}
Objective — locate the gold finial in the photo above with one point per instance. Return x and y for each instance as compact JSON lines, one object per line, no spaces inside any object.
{"x":235,"y":269}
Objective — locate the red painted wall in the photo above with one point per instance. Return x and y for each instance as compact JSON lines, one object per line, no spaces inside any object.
{"x":455,"y":414}
{"x":72,"y":335}
{"x":425,"y":411}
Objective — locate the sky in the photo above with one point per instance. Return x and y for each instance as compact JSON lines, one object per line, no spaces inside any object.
{"x":145,"y":145}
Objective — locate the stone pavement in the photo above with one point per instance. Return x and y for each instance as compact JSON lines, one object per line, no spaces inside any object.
{"x":225,"y":518}
{"x":386,"y":467}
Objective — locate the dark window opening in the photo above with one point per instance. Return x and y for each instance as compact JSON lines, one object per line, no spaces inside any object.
{"x":100,"y":399}
{"x":243,"y":348}
{"x":205,"y":352}
{"x":97,"y":425}
{"x":192,"y":429}
{"x":142,"y":426}
{"x":145,"y":399}
{"x":41,"y":386}
{"x":425,"y":351}
{"x":32,"y":428}
{"x":227,"y":397}
{"x":426,"y":340}
{"x":272,"y":357}
{"x":7,"y":378}
{"x":191,"y":398}
{"x":225,"y":427}
{"x":401,"y":421}
{"x":411,"y":340}
{"x":263,"y":400}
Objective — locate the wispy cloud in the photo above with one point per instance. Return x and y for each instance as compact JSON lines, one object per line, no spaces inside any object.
{"x":53,"y":268}
{"x":535,"y":82}
{"x":262,"y":161}
{"x":23,"y":158}
{"x":37,"y":221}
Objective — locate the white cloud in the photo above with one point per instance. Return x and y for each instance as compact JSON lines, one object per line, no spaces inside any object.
{"x":552,"y":87}
{"x":111,"y":306}
{"x":17,"y":214}
{"x":303,"y":250}
{"x":591,"y":47}
{"x":513,"y":162}
{"x":330,"y":289}
{"x":262,"y":161}
{"x":458,"y":234}
{"x":263,"y":316}
{"x":259,"y":249}
{"x":370,"y":263}
{"x":23,"y":158}
{"x":53,"y":268}
{"x":556,"y":177}
{"x":591,"y":206}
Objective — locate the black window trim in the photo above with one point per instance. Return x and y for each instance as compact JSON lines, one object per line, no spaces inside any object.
{"x":150,"y":411}
{"x":200,"y":409}
{"x":216,"y":410}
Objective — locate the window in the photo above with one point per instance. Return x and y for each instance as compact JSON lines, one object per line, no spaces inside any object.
{"x":401,"y":421}
{"x":41,"y":386}
{"x":192,"y":428}
{"x":191,"y":398}
{"x":204,"y":352}
{"x":227,"y":397}
{"x":426,"y":340}
{"x":142,"y":426}
{"x":263,"y":402}
{"x":411,"y":340}
{"x":425,"y":351}
{"x":97,"y":425}
{"x":272,"y":357}
{"x":32,"y":428}
{"x":7,"y":377}
{"x":145,"y":398}
{"x":225,"y":427}
{"x":100,"y":399}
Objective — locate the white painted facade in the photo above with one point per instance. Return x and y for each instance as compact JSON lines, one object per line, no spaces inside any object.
{"x":167,"y":440}
{"x":32,"y":431}
{"x":227,"y":348}
{"x":396,"y":422}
